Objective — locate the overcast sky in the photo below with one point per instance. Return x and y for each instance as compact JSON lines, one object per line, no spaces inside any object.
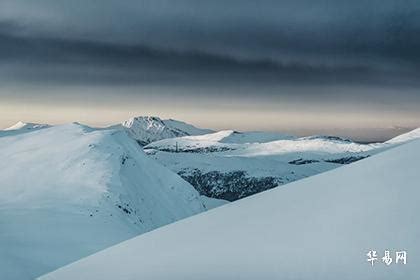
{"x":302,"y":66}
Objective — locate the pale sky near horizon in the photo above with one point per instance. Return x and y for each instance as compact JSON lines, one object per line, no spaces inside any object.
{"x":348,"y":68}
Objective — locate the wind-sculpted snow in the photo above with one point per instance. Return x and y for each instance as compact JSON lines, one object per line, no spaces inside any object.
{"x":69,"y":191}
{"x":319,"y":228}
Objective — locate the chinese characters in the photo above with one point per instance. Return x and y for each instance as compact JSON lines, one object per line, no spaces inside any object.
{"x":387,"y":259}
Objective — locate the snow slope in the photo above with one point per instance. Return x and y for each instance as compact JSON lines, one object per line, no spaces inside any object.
{"x":148,"y":129}
{"x":69,"y":191}
{"x":185,"y":127}
{"x":406,"y":137}
{"x":317,"y":228}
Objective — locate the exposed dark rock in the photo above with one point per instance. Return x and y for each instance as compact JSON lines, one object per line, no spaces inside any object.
{"x":228,"y":185}
{"x":124,"y":159}
{"x":202,"y":150}
{"x":301,"y":161}
{"x":126,"y":210}
{"x":346,"y":160}
{"x":328,"y":137}
{"x":142,"y":143}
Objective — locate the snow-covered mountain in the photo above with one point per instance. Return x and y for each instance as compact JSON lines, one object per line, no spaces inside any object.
{"x":406,"y":137}
{"x":148,"y":129}
{"x":68,"y":191}
{"x":317,"y":228}
{"x":232,"y":165}
{"x":215,"y":141}
{"x":22,"y":127}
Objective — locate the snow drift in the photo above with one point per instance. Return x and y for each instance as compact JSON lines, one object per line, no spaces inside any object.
{"x":317,"y":228}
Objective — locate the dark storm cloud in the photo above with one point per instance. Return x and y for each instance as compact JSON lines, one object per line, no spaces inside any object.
{"x":69,"y":61}
{"x":203,"y":41}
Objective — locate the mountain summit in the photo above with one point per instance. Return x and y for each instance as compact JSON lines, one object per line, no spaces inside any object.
{"x":147,"y":129}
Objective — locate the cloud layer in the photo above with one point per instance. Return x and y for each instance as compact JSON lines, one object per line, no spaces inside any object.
{"x":302,"y":38}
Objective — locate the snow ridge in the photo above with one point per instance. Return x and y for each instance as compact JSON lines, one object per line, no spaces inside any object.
{"x":71,"y":190}
{"x":406,"y":137}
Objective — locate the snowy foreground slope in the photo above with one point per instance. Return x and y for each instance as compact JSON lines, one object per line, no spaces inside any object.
{"x":69,"y":191}
{"x":317,"y":228}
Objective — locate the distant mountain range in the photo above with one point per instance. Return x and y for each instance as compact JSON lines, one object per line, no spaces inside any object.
{"x":231,"y":165}
{"x":68,"y":191}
